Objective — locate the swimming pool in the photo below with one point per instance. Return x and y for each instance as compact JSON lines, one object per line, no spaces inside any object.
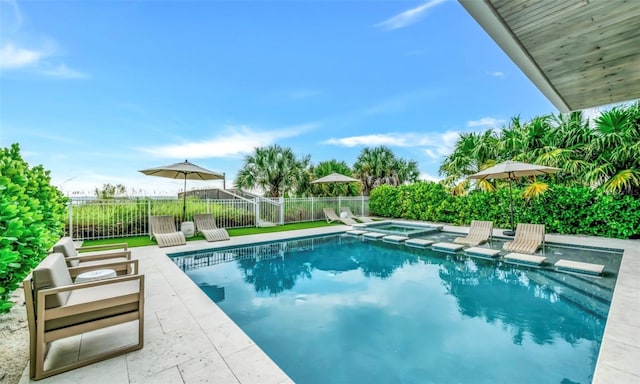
{"x":336,"y":309}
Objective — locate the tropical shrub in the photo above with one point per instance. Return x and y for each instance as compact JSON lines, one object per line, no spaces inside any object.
{"x":386,"y":201}
{"x":32,"y":214}
{"x":562,"y":209}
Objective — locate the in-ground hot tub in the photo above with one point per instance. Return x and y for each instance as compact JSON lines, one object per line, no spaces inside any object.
{"x":399,"y":228}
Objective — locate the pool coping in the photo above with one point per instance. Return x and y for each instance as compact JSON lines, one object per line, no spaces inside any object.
{"x":189,"y":339}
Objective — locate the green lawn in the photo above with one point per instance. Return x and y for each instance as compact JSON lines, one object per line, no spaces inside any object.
{"x":140,"y":241}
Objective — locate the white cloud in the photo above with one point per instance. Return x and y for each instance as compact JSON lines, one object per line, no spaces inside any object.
{"x":236,"y":141}
{"x":12,"y":57}
{"x":369,"y":140}
{"x":488,"y":122}
{"x":411,"y":139}
{"x":428,"y":177}
{"x":63,"y":72}
{"x":408,"y":17}
{"x":497,"y":74}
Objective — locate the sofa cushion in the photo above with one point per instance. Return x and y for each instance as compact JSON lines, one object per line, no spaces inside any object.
{"x":50,"y":273}
{"x":67,"y":248}
{"x":99,"y":302}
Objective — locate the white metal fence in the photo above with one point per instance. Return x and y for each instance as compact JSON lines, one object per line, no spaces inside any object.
{"x":98,"y":219}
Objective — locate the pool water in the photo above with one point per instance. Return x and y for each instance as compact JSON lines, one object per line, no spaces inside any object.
{"x":337,"y":309}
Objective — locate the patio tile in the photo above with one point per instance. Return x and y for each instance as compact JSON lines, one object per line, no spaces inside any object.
{"x":608,"y":374}
{"x":623,"y":357}
{"x":63,"y":351}
{"x":252,"y":365}
{"x":227,"y":337}
{"x":105,"y":372}
{"x":175,"y":319}
{"x":96,"y":342}
{"x":208,"y":368}
{"x":166,"y":350}
{"x":169,"y":376}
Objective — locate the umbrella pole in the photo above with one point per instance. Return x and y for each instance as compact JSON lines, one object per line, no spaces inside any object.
{"x":512,"y":231}
{"x":184,"y":200}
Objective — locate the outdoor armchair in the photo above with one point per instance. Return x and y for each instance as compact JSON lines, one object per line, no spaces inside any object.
{"x":57,"y":309}
{"x":79,"y":263}
{"x":163,"y":228}
{"x":206,"y":224}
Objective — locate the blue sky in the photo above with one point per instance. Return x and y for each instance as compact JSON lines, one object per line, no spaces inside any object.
{"x":95,"y":91}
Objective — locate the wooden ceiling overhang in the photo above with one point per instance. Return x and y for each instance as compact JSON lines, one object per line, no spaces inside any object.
{"x":579,"y":53}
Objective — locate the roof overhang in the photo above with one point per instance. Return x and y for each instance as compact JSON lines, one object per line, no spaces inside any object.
{"x":580,"y":54}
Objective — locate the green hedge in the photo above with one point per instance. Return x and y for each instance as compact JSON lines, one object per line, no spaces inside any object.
{"x":566,"y":210}
{"x":32,"y":216}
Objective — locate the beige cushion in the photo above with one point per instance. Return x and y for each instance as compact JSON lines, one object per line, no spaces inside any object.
{"x":50,"y":273}
{"x":67,"y":248}
{"x":87,"y":300}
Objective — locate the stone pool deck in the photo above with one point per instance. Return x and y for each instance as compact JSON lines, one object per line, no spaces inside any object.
{"x":188,"y":339}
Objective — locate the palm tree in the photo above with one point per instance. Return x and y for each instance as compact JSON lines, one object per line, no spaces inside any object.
{"x":472,"y":153}
{"x":325,"y":168}
{"x":617,"y":143}
{"x":275,"y":170}
{"x":379,"y":165}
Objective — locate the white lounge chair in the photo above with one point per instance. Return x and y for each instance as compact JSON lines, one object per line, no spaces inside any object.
{"x":528,"y":239}
{"x":163,"y":228}
{"x":480,"y":232}
{"x":331,"y":216}
{"x":206,"y":224}
{"x":362,"y":219}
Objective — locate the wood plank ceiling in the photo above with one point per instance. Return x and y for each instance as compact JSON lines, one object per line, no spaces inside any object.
{"x":579,"y":53}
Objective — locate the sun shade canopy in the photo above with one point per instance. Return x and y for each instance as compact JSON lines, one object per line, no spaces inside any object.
{"x":335,"y":178}
{"x":183,"y":170}
{"x":580,"y":54}
{"x":513,"y":170}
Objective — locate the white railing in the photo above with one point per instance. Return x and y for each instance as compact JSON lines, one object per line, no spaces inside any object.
{"x":99,"y":219}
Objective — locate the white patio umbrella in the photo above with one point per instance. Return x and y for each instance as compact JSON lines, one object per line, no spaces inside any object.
{"x":513,"y":170}
{"x":335,"y":178}
{"x":185,"y":170}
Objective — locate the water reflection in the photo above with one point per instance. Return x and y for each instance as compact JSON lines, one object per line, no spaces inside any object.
{"x":508,"y":294}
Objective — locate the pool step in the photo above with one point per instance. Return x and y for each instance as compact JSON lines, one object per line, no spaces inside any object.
{"x":373,"y":235}
{"x":590,"y":301}
{"x":394,"y":239}
{"x":524,"y":259}
{"x":356,"y":232}
{"x":587,"y":285}
{"x":579,"y":267}
{"x":447,"y":247}
{"x":482,"y":252}
{"x":418,"y":243}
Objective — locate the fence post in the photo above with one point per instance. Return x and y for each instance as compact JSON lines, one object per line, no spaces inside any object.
{"x":256,"y":207}
{"x":339,"y":204}
{"x":362,"y":205}
{"x":313,"y":212}
{"x":149,"y":217}
{"x":71,"y":218}
{"x":281,"y":210}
